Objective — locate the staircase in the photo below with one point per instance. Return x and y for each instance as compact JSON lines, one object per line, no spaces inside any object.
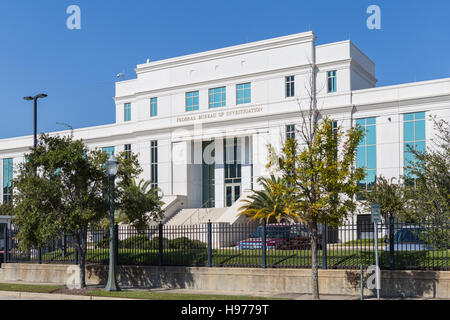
{"x":196,"y":216}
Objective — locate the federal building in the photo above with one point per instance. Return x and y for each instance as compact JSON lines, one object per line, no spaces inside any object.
{"x":201,"y":123}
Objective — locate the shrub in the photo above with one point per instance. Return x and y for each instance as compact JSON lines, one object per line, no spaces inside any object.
{"x":103,"y":244}
{"x":154,"y":243}
{"x":186,"y":243}
{"x":136,"y":242}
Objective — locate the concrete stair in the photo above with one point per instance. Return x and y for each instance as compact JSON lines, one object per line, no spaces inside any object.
{"x":196,"y":216}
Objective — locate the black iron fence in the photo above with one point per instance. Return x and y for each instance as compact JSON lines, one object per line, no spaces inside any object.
{"x":400,"y":246}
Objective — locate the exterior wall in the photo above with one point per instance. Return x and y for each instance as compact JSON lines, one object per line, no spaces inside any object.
{"x":264,"y":64}
{"x":417,"y":284}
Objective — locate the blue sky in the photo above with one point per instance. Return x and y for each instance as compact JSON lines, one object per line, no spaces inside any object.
{"x":78,"y":68}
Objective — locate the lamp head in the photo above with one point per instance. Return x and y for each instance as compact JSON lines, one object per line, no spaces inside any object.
{"x":42,"y":95}
{"x":112,"y":166}
{"x":28,"y":98}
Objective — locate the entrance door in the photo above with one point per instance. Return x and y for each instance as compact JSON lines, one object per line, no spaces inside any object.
{"x":232,"y":193}
{"x":232,"y":166}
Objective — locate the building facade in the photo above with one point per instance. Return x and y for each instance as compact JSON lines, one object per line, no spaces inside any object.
{"x":201,"y":123}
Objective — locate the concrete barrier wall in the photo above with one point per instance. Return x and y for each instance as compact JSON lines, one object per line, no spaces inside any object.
{"x":426,"y":284}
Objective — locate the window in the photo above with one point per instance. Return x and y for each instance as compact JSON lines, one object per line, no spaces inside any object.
{"x":366,"y":156}
{"x":154,"y":163}
{"x":127,"y":151}
{"x":290,"y":86}
{"x":290,"y":131}
{"x":217,"y":97}
{"x":413,"y":136}
{"x":7,"y":179}
{"x":243,"y":93}
{"x":192,"y":101}
{"x":332,"y":81}
{"x":153,"y":107}
{"x":127,"y":112}
{"x":109,"y":150}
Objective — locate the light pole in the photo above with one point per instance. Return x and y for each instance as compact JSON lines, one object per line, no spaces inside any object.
{"x":35,"y":99}
{"x":112,"y":166}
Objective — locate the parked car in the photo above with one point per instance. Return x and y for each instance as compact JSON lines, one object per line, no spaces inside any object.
{"x":409,"y":239}
{"x":280,"y":237}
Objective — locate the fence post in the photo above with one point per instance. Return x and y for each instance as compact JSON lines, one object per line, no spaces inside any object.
{"x":116,"y":246}
{"x":5,"y":247}
{"x":324,"y":246}
{"x":75,"y":255}
{"x":391,"y":242}
{"x":263,"y":245}
{"x":40,"y":255}
{"x":161,"y":243}
{"x":209,"y":244}
{"x":64,"y":245}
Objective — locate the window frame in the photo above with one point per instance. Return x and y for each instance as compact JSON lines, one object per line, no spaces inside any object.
{"x":153,"y":107}
{"x":244,"y":89}
{"x":332,"y":79}
{"x":212,"y":104}
{"x":193,"y":107}
{"x":289,"y":89}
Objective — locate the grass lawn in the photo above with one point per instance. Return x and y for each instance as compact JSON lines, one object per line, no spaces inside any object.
{"x":339,"y":257}
{"x":130,"y":294}
{"x":29,"y":287}
{"x":149,"y":295}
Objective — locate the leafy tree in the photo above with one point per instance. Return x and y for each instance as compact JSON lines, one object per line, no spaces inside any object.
{"x":389,"y":195}
{"x":62,"y":188}
{"x":140,"y":204}
{"x":320,"y":176}
{"x":429,"y":192}
{"x":270,"y":204}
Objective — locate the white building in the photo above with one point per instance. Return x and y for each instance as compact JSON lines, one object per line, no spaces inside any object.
{"x":184,"y":116}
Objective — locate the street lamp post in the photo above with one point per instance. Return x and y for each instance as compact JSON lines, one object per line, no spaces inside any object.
{"x":35,"y":99}
{"x":112,"y":166}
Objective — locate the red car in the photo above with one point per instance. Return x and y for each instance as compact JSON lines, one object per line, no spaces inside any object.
{"x":281,"y":237}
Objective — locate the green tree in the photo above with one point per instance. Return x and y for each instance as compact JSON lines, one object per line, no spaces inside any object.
{"x":429,"y":185}
{"x":140,"y":204}
{"x":389,"y":195}
{"x":320,"y":176}
{"x":62,"y":188}
{"x":270,"y":204}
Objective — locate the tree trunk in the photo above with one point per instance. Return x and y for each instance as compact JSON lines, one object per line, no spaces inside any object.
{"x":82,"y":247}
{"x":314,"y":262}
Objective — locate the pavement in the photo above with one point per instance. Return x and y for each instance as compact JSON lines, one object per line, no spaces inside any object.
{"x":10,"y":295}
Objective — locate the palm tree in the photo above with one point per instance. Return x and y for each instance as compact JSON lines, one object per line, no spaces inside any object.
{"x":271,"y":203}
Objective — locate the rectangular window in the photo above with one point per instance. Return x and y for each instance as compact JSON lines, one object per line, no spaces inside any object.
{"x":366,"y":156}
{"x":154,"y":163}
{"x":290,"y":86}
{"x":127,"y":151}
{"x":290,"y":131}
{"x":217,"y":97}
{"x":332,"y":81}
{"x":414,"y":137}
{"x":243,"y":93}
{"x":127,"y":111}
{"x":192,"y":101}
{"x":153,"y":107}
{"x":109,"y":150}
{"x":7,"y":179}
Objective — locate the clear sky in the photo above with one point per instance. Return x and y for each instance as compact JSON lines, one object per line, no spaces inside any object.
{"x":78,"y":68}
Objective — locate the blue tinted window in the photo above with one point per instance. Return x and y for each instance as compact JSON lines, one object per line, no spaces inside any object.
{"x":127,"y":112}
{"x":7,"y":179}
{"x":192,"y":101}
{"x":366,"y":154}
{"x":420,"y":130}
{"x":414,"y":130}
{"x":217,"y":97}
{"x":109,"y":150}
{"x":243,"y":93}
{"x":332,"y":81}
{"x":153,"y":107}
{"x":290,"y":86}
